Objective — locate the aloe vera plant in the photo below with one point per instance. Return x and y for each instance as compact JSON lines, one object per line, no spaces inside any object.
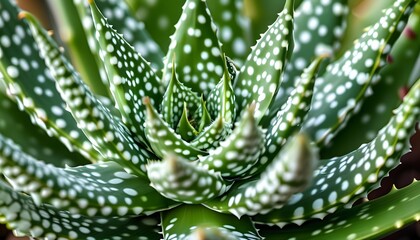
{"x":195,"y":145}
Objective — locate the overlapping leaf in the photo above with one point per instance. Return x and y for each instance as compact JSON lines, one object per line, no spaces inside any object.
{"x":195,"y":49}
{"x":131,"y":77}
{"x":289,"y":173}
{"x":340,"y":92}
{"x":341,"y":180}
{"x":318,"y":31}
{"x":32,"y":86}
{"x":44,"y":221}
{"x":36,"y":142}
{"x":104,"y":129}
{"x":259,"y":78}
{"x":102,"y":189}
{"x":371,"y":219}
{"x":197,"y":222}
{"x":184,"y":181}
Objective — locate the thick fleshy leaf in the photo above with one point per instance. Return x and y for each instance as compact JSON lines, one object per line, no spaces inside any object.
{"x":185,"y":129}
{"x":14,"y":124}
{"x":289,"y":173}
{"x":290,"y":117}
{"x":377,"y":108}
{"x":105,"y":130}
{"x":163,"y":139}
{"x":46,"y":222}
{"x":259,"y":79}
{"x":197,"y":222}
{"x":211,"y":135}
{"x":185,"y":181}
{"x":173,"y":101}
{"x":369,"y":220}
{"x":240,"y":151}
{"x":33,"y":87}
{"x":119,"y":16}
{"x":340,"y":92}
{"x":103,"y":189}
{"x":318,"y":27}
{"x":234,"y":27}
{"x":131,"y":77}
{"x":195,"y":49}
{"x":342,"y":180}
{"x":221,"y":99}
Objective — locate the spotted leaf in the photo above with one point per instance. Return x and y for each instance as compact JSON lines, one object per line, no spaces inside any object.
{"x":185,"y":129}
{"x":45,"y":221}
{"x":131,"y":77}
{"x":240,"y":151}
{"x":377,"y":109}
{"x":198,"y":222}
{"x":372,"y":219}
{"x":289,"y":173}
{"x":36,"y":142}
{"x":184,"y":181}
{"x":32,"y":87}
{"x":173,"y":101}
{"x":105,"y":130}
{"x":102,"y":189}
{"x":340,"y":92}
{"x":259,"y":78}
{"x":163,"y":139}
{"x":290,"y":117}
{"x":221,"y":100}
{"x":342,"y":180}
{"x":234,"y":27}
{"x":211,"y":135}
{"x":195,"y":49}
{"x":318,"y":26}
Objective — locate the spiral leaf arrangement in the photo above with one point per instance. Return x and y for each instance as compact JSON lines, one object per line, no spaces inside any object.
{"x":195,"y":147}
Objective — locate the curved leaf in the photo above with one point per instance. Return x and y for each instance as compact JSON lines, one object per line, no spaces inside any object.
{"x":32,"y":87}
{"x":342,"y":180}
{"x":44,"y":221}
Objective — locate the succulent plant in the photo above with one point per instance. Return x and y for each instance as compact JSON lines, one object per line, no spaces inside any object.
{"x":194,"y":146}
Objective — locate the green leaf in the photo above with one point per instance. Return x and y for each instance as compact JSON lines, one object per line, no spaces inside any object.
{"x":289,"y":173}
{"x":221,"y":99}
{"x":234,"y":27}
{"x":185,"y":181}
{"x":131,"y":77}
{"x":195,"y":49}
{"x":16,"y":125}
{"x":163,"y":139}
{"x":259,"y":79}
{"x":32,"y":87}
{"x":369,"y":220}
{"x":290,"y":117}
{"x":105,"y":130}
{"x":318,"y":27}
{"x":119,"y":16}
{"x":46,"y":222}
{"x":185,"y":129}
{"x":377,"y":108}
{"x":102,"y":189}
{"x":240,"y":151}
{"x":340,"y":92}
{"x":341,"y":180}
{"x":211,"y":136}
{"x":198,"y":222}
{"x":173,"y":101}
